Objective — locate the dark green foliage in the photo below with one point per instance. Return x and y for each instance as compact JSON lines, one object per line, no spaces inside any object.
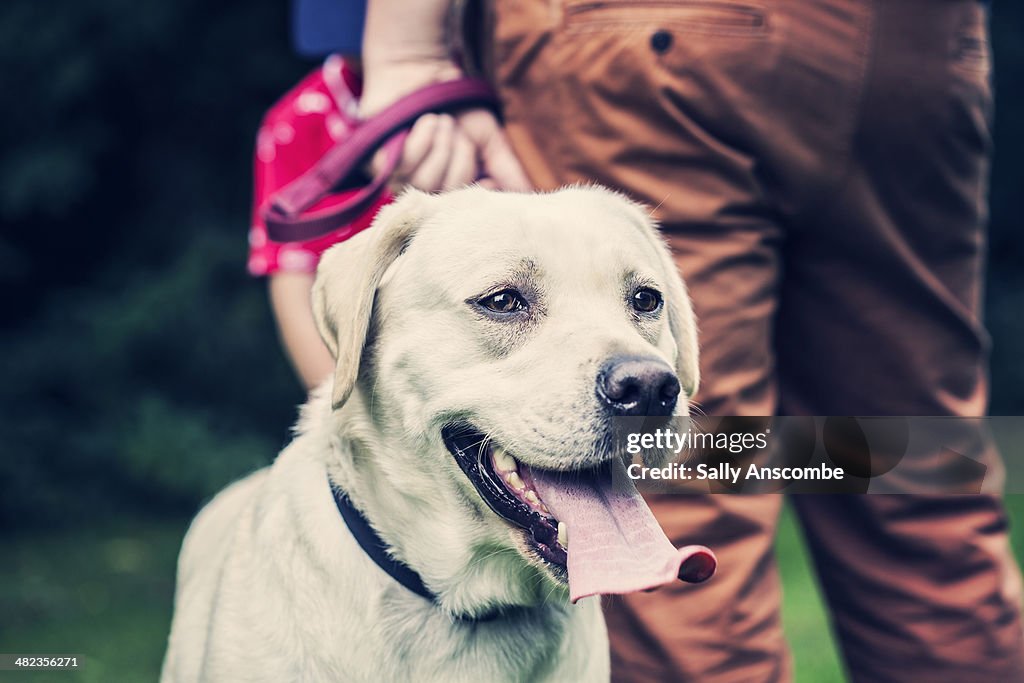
{"x":1005,"y":295}
{"x":142,"y":371}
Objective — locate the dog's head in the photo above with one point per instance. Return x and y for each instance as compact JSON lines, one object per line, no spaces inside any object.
{"x":499,"y":335}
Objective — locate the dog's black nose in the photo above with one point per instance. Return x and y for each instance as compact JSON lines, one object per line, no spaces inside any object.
{"x":638,"y":385}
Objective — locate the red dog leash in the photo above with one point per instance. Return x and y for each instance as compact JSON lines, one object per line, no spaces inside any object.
{"x":286,"y":214}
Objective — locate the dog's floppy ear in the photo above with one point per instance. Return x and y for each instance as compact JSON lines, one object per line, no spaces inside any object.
{"x":346,"y":284}
{"x":681,"y":321}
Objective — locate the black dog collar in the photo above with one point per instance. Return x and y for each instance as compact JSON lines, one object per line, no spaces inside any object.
{"x":374,"y":546}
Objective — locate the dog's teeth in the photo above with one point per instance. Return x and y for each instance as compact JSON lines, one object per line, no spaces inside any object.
{"x":503,"y":461}
{"x":515,"y":481}
{"x":531,"y":497}
{"x":544,"y":509}
{"x":563,"y":535}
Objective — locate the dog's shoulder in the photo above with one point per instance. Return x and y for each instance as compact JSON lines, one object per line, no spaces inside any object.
{"x":232,"y":514}
{"x":206,"y":548}
{"x":210,"y":535}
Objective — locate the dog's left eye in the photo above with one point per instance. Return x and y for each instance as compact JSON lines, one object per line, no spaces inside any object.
{"x":505,"y":301}
{"x":646,"y":300}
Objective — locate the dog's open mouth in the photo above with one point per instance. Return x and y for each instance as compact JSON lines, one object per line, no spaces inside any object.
{"x":508,"y":488}
{"x":591,"y":527}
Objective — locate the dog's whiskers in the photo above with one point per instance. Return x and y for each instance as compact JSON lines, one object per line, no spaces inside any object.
{"x":650,"y":214}
{"x":551,"y":591}
{"x":695,"y":407}
{"x":483,"y":558}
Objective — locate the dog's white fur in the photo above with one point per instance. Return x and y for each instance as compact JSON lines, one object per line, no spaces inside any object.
{"x":271,"y":584}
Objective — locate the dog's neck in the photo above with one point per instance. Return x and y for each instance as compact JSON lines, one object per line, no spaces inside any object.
{"x":462,"y":556}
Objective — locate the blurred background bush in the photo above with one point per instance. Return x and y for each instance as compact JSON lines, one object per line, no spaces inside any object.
{"x":141,"y":367}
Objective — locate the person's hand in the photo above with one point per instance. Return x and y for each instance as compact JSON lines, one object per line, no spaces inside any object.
{"x":445,"y":151}
{"x":442,"y":151}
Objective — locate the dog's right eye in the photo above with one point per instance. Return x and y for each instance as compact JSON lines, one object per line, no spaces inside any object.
{"x":505,"y":301}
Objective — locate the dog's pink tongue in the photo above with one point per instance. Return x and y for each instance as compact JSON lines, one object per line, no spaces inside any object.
{"x":615,"y":543}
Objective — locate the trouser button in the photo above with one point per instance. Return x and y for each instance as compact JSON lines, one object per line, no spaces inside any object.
{"x":661,"y":41}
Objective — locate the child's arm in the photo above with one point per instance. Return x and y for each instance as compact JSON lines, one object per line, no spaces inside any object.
{"x":290,"y":302}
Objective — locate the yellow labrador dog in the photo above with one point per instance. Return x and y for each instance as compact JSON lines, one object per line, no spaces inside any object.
{"x":450,"y":495}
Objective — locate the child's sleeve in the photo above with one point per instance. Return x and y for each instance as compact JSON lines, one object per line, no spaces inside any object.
{"x":305,"y":123}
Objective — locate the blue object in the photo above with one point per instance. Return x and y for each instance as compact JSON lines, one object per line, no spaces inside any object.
{"x":320,"y":27}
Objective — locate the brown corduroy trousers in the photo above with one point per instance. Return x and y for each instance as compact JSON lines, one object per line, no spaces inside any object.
{"x":820,"y":171}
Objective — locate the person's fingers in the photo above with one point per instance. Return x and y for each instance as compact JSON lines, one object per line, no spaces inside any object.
{"x":418,"y":145}
{"x":430,"y":173}
{"x":497,"y":159}
{"x":502,"y":164}
{"x":462,"y":168}
{"x":415,"y":148}
{"x":442,"y":153}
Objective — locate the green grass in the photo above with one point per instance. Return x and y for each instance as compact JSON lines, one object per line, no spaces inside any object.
{"x":815,"y":658}
{"x":106,"y":594}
